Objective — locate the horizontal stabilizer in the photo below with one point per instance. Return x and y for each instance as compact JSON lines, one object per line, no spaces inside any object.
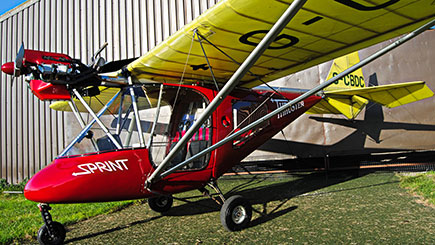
{"x":350,"y":106}
{"x":350,"y":102}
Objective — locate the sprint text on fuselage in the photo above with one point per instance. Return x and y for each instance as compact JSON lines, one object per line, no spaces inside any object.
{"x":103,"y":166}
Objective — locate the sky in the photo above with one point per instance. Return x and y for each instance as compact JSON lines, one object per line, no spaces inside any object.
{"x":7,"y":5}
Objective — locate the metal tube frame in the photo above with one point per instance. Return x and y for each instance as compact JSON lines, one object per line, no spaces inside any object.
{"x":150,"y":141}
{"x":125,"y":119}
{"x":231,"y":84}
{"x":79,"y":118}
{"x":303,"y":96}
{"x":82,"y":134}
{"x":130,"y":131}
{"x":136,"y":112}
{"x":97,"y":119}
{"x":76,"y":112}
{"x":118,"y":124}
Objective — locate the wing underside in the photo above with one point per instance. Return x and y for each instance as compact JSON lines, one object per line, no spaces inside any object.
{"x":321,"y":31}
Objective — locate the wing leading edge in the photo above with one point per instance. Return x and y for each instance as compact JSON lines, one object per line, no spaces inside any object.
{"x":321,"y":31}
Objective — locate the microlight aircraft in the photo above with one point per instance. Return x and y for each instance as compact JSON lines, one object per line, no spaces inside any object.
{"x":190,"y":109}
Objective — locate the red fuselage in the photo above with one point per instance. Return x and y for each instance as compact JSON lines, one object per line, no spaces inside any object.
{"x":121,"y":174}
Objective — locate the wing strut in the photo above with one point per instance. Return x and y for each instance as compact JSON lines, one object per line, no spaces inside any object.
{"x":206,"y":58}
{"x":291,"y":11}
{"x":301,"y":97}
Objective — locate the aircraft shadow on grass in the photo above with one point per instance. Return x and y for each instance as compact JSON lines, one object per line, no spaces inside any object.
{"x":117,"y":228}
{"x":265,"y":194}
{"x":368,"y":128}
{"x":256,"y":190}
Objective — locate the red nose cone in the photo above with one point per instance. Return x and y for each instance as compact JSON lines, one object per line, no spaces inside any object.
{"x":8,"y":68}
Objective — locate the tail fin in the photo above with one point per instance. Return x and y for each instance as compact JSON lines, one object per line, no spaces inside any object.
{"x":352,"y":80}
{"x":349,"y":95}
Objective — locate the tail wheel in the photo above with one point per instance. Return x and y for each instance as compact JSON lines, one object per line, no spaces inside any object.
{"x":57,"y":236}
{"x":236,"y":213}
{"x":160,"y":204}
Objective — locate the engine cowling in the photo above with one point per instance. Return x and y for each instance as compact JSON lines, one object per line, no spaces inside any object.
{"x":51,"y":76}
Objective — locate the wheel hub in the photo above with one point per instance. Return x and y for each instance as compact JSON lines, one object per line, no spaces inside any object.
{"x":162,"y":202}
{"x":239,"y":214}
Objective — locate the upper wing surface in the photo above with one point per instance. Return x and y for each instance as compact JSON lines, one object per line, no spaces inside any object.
{"x":321,"y":31}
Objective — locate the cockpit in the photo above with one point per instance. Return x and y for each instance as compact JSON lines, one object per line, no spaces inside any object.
{"x":152,"y":116}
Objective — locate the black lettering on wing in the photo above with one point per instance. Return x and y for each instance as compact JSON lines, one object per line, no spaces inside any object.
{"x":291,"y":40}
{"x":358,"y":6}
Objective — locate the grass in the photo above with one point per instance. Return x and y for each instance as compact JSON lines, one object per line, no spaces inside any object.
{"x":422,"y":184}
{"x":21,"y":218}
{"x":298,"y":208}
{"x":350,"y":208}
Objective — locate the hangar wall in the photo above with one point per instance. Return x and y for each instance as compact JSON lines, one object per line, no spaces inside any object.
{"x":31,"y":134}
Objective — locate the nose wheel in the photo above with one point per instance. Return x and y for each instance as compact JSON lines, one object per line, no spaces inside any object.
{"x":52,"y":232}
{"x":56,"y":236}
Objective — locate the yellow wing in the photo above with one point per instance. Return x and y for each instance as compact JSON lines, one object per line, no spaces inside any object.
{"x":106,"y":94}
{"x":350,"y":102}
{"x":321,"y":31}
{"x":95,"y":102}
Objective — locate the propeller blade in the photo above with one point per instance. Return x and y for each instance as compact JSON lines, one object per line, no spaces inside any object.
{"x":19,"y":61}
{"x":115,"y":65}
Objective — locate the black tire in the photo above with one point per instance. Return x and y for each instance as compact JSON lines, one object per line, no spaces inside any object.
{"x":160,"y":204}
{"x":58,"y":237}
{"x":236,"y":213}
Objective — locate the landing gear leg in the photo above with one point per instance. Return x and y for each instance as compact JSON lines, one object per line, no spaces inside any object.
{"x":51,"y":232}
{"x":236,"y":211}
{"x":215,"y":187}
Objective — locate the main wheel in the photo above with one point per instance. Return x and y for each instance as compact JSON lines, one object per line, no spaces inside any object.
{"x":236,"y":213}
{"x":160,"y":204}
{"x":58,"y":237}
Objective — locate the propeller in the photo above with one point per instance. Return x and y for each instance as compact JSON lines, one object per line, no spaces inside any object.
{"x":19,"y":61}
{"x":18,"y":64}
{"x":15,"y":68}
